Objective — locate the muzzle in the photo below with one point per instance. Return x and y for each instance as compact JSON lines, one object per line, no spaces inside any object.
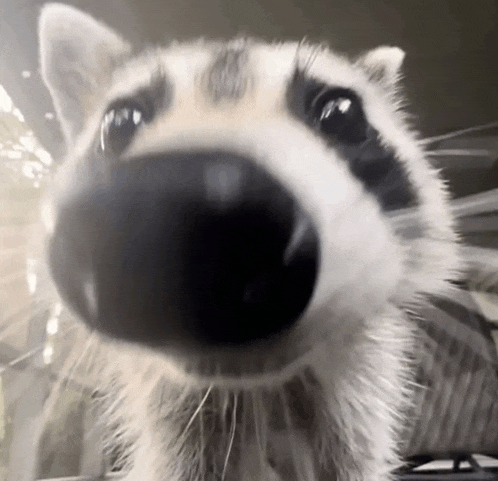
{"x":185,"y":249}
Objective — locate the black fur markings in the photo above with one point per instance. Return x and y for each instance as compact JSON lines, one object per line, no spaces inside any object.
{"x":156,"y":95}
{"x":371,"y":162}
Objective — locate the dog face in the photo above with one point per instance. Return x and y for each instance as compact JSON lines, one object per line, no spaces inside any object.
{"x":232,"y":206}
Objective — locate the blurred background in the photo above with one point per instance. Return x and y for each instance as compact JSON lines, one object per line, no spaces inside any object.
{"x":451,"y":73}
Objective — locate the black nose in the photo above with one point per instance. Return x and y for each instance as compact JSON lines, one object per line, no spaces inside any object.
{"x":203,"y":248}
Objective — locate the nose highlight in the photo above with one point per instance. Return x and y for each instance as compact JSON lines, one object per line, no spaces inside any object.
{"x":187,"y":249}
{"x":223,"y":183}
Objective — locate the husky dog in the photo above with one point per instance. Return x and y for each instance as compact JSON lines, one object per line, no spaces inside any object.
{"x":227,"y":221}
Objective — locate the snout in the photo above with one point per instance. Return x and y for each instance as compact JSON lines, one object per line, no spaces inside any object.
{"x":185,"y":249}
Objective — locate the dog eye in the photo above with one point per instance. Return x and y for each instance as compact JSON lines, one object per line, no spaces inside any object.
{"x":119,"y":126}
{"x":338,"y":113}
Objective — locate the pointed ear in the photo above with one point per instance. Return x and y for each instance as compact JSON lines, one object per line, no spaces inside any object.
{"x":78,"y":56}
{"x":382,"y":64}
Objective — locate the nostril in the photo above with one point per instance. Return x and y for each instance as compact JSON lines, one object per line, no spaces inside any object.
{"x":265,"y":273}
{"x":295,"y":273}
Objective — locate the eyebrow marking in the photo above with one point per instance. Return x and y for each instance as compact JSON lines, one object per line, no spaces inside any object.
{"x":154,"y":90}
{"x":158,"y":92}
{"x":226,"y":78}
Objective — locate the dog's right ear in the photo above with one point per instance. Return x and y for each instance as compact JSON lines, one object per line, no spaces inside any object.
{"x":78,"y":56}
{"x":383,"y":65}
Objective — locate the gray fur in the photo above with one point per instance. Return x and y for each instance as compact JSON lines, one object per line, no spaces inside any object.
{"x":227,"y":77}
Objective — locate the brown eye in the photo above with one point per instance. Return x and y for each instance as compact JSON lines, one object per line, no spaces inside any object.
{"x":338,"y":113}
{"x":119,"y":126}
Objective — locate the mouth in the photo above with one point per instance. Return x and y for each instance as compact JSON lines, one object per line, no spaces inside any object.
{"x":202,"y":254}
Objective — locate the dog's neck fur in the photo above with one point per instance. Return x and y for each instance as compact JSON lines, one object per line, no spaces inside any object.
{"x":320,"y":424}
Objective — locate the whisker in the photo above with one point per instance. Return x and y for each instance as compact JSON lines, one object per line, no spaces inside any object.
{"x":487,"y":223}
{"x":458,"y":296}
{"x":463,"y":153}
{"x":459,"y":133}
{"x":202,"y":437}
{"x":305,"y":66}
{"x":259,"y":421}
{"x":288,"y":426}
{"x":19,"y":359}
{"x":232,"y":435}
{"x":299,"y":459}
{"x":222,"y":410}
{"x":297,"y":57}
{"x":243,"y":431}
{"x":313,"y":56}
{"x":464,"y":159}
{"x":85,"y":355}
{"x":65,"y":375}
{"x":481,"y":203}
{"x":226,"y":404}
{"x":198,"y":409}
{"x":408,"y":220}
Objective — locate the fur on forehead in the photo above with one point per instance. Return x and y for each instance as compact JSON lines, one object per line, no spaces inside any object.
{"x":79,"y":57}
{"x":268,"y":61}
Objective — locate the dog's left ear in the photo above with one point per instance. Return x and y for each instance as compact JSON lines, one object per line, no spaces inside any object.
{"x":382,"y":64}
{"x":78,"y":57}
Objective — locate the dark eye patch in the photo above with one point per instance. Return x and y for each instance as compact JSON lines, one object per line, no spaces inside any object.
{"x":337,"y":115}
{"x":381,"y":173}
{"x":125,"y":115}
{"x":120,"y":124}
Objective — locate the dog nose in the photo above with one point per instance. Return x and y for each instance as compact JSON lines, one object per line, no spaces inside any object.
{"x":201,"y":248}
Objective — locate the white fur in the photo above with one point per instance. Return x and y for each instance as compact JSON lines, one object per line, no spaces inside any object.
{"x":347,"y":359}
{"x":383,"y":64}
